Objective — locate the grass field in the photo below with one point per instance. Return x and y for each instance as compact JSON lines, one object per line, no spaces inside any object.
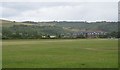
{"x":76,"y":53}
{"x":0,"y":54}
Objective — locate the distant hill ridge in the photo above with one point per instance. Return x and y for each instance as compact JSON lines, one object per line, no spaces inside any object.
{"x":68,"y":25}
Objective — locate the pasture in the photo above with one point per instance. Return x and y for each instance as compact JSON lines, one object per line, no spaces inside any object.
{"x":60,"y":53}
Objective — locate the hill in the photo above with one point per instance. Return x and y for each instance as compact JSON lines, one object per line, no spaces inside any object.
{"x":8,"y":23}
{"x":30,"y":29}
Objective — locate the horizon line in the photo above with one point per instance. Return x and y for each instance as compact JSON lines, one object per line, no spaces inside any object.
{"x":59,"y":20}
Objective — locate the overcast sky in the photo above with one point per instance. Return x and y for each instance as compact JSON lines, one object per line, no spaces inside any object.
{"x":59,"y":11}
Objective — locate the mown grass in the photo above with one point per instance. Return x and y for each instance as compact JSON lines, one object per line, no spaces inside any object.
{"x":79,"y":53}
{"x":0,"y":54}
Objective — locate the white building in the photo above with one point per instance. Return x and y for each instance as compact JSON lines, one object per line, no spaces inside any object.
{"x":52,"y":36}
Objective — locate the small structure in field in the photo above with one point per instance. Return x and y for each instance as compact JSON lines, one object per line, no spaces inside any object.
{"x":43,"y":36}
{"x":53,"y":36}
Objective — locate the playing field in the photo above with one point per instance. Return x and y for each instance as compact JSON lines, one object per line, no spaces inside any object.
{"x":76,"y":53}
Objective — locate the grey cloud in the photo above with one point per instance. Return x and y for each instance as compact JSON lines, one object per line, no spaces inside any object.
{"x":89,"y":11}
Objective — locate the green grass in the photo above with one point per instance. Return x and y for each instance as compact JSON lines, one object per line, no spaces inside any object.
{"x":84,"y":53}
{"x":0,"y":54}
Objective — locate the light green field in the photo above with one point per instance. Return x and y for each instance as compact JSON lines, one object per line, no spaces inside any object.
{"x":84,"y":53}
{"x":0,"y":54}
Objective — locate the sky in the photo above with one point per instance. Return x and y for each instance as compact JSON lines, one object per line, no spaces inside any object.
{"x":60,"y":11}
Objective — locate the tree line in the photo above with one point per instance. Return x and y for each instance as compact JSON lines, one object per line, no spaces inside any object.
{"x":48,"y":32}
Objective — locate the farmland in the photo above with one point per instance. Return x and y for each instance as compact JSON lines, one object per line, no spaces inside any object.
{"x":60,"y":53}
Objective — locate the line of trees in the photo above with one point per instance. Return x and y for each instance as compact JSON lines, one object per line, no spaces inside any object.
{"x":47,"y":32}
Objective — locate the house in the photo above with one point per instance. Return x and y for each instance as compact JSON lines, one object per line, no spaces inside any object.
{"x":53,"y":36}
{"x":95,"y":34}
{"x":89,"y":34}
{"x":43,"y":36}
